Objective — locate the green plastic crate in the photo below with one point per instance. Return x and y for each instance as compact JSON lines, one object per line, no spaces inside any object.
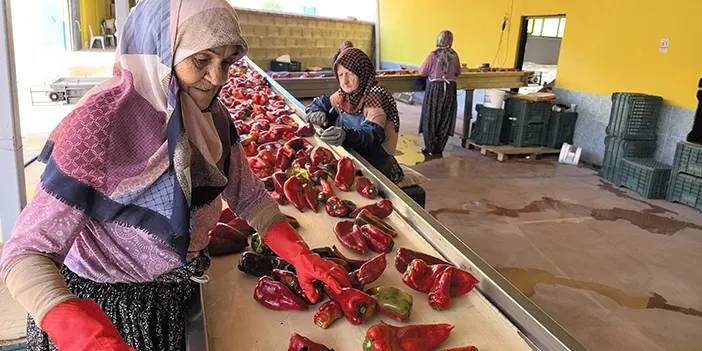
{"x":527,"y":111}
{"x":646,"y":176}
{"x":616,"y":149}
{"x":688,"y":159}
{"x":19,"y":347}
{"x":561,"y":127}
{"x":531,"y":134}
{"x":488,"y":126}
{"x":634,"y":116}
{"x":685,"y":189}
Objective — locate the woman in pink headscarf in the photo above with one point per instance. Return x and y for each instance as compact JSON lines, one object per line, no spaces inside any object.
{"x":109,"y":250}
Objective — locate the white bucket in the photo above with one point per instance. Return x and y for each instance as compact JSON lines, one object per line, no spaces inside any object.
{"x":494,"y":98}
{"x":570,"y":154}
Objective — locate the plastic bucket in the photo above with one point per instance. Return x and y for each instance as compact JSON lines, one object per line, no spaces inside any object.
{"x":494,"y":98}
{"x":570,"y":154}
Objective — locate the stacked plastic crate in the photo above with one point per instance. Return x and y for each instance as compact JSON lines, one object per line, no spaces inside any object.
{"x":686,"y":179}
{"x":631,"y":136}
{"x":525,"y":122}
{"x":488,"y":125}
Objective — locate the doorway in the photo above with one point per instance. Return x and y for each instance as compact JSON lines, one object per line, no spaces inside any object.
{"x":539,"y":48}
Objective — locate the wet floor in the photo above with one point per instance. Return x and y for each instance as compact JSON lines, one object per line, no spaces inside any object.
{"x":618,"y":271}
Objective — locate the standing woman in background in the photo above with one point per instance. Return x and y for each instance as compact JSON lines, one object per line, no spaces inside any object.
{"x":438,"y":119}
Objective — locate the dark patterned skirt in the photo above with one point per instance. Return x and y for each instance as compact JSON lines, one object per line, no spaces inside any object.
{"x":438,"y":118}
{"x":149,"y":316}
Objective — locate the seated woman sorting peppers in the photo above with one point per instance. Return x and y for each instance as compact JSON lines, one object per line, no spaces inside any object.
{"x":361,"y":115}
{"x":109,"y":250}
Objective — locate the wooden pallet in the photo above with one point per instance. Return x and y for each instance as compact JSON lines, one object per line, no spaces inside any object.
{"x":503,"y":152}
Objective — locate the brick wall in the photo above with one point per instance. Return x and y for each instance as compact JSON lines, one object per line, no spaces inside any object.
{"x":310,"y":40}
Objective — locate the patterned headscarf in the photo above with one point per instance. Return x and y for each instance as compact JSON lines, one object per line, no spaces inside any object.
{"x":136,"y":149}
{"x":443,"y":49}
{"x":369,"y":93}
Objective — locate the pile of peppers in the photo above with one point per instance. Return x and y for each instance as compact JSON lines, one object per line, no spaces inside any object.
{"x":366,"y":232}
{"x":441,"y":281}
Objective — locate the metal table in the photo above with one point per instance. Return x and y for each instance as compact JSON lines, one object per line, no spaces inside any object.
{"x":496,"y":314}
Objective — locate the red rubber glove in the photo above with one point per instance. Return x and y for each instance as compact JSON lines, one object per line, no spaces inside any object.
{"x":288,"y":244}
{"x":81,"y":325}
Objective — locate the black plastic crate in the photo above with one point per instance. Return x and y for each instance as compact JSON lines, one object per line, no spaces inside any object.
{"x":616,"y":149}
{"x":527,"y":112}
{"x":688,"y":159}
{"x":646,"y":176}
{"x":685,"y":189}
{"x":277,"y":66}
{"x":295,"y":66}
{"x":561,"y":127}
{"x":488,"y":125}
{"x":634,"y":116}
{"x":521,"y":135}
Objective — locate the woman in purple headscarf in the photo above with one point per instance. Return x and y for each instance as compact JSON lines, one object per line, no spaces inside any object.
{"x":109,"y":250}
{"x":438,"y":119}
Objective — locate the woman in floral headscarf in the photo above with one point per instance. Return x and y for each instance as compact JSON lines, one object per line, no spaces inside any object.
{"x":361,"y":115}
{"x":438,"y":119}
{"x":134,"y":180}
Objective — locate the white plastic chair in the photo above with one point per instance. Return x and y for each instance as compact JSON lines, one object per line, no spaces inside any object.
{"x":108,"y":30}
{"x":96,"y":38}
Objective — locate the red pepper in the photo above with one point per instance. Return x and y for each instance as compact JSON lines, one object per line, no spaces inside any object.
{"x":345,"y":172}
{"x":268,"y":157}
{"x":260,"y":125}
{"x":358,"y":306}
{"x":328,"y":313}
{"x":286,"y":120}
{"x":350,"y":237}
{"x":279,"y":198}
{"x":382,"y":209}
{"x":366,"y":188}
{"x":300,"y":162}
{"x":288,"y":135}
{"x":276,"y":296}
{"x":311,"y":197}
{"x":290,"y":280}
{"x":337,"y":207}
{"x":226,"y":215}
{"x":378,"y":241}
{"x":369,"y":272}
{"x":301,"y":343}
{"x":421,"y":337}
{"x":302,"y":153}
{"x":279,"y":179}
{"x":240,"y":225}
{"x":260,"y":99}
{"x":405,"y":256}
{"x":225,"y":240}
{"x":267,"y":137}
{"x":294,"y":193}
{"x":422,"y":277}
{"x":327,"y":188}
{"x":250,"y":149}
{"x":283,"y":159}
{"x":322,"y":155}
{"x":305,"y":131}
{"x":272,"y":146}
{"x":298,"y":144}
{"x":365,"y":217}
{"x":462,"y":348}
{"x":353,"y":264}
{"x":440,"y":292}
{"x":241,"y":127}
{"x":259,"y":167}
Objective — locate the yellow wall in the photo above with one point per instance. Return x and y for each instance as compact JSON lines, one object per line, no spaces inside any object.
{"x":92,"y":12}
{"x":609,"y":45}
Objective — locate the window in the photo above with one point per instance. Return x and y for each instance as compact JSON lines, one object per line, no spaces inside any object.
{"x":550,"y":27}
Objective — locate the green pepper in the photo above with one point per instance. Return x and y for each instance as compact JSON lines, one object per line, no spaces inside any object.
{"x":392,"y":302}
{"x":259,"y":247}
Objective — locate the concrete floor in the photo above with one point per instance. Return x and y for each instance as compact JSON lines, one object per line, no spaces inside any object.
{"x":618,"y":271}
